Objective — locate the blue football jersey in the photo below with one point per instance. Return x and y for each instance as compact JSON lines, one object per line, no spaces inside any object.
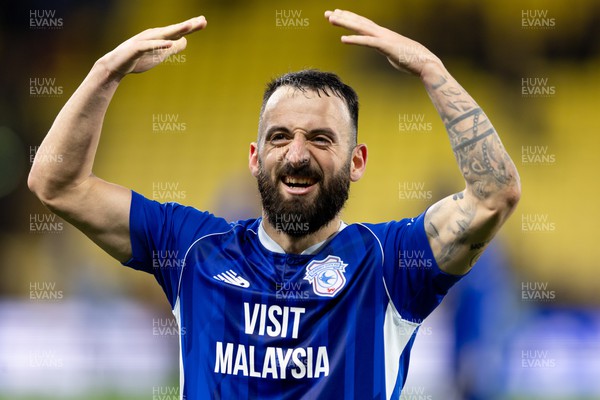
{"x":337,"y":323}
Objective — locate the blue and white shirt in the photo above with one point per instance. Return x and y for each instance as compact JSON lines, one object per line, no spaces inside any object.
{"x":336,"y":322}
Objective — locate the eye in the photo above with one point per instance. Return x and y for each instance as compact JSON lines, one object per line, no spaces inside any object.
{"x":321,"y":140}
{"x":278,"y":138}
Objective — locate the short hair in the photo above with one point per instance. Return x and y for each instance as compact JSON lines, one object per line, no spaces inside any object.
{"x":320,"y":82}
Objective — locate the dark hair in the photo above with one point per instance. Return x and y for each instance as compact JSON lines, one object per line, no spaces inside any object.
{"x":326,"y":83}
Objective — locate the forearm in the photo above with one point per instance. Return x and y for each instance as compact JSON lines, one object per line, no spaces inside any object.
{"x":459,"y":226}
{"x":489,"y":172}
{"x":66,"y":155}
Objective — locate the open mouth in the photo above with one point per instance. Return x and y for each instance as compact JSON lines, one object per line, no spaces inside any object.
{"x":298,"y":182}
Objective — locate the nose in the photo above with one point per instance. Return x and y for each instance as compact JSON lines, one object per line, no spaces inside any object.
{"x":297,"y":153}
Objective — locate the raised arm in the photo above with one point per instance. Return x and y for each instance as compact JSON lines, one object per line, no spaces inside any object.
{"x":460,"y":226}
{"x":69,"y":188}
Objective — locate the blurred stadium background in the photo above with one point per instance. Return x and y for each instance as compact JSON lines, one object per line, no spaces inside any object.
{"x":524,"y":325}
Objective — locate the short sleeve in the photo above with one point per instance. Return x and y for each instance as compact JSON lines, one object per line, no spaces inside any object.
{"x":161,"y":234}
{"x":413,"y":279}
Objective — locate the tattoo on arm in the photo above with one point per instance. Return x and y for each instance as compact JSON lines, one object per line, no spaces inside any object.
{"x":459,"y":229}
{"x":457,"y":242}
{"x":457,"y":237}
{"x":476,"y":250}
{"x":441,"y":81}
{"x":483,"y":162}
{"x":477,"y":246}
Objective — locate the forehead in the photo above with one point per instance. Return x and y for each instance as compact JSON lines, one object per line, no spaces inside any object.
{"x":293,"y":108}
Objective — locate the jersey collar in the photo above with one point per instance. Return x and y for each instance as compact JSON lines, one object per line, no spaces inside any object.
{"x":272,"y":245}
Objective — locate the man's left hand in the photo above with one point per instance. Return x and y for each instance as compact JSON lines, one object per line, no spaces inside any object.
{"x":403,"y":53}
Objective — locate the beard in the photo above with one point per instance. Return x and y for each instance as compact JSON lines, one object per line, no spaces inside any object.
{"x":298,"y":217}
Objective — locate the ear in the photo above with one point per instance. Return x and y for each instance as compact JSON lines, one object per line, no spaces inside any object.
{"x":358,"y":164}
{"x":253,"y":159}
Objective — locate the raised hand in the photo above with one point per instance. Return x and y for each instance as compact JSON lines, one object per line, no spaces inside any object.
{"x":403,"y":53}
{"x":150,"y":47}
{"x":69,"y":188}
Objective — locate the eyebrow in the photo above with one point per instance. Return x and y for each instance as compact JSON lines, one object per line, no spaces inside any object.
{"x":311,"y":133}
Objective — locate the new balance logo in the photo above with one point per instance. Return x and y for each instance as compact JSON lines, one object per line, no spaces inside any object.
{"x":232,"y":278}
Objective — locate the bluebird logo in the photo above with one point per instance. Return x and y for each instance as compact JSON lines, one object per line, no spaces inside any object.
{"x":326,"y":276}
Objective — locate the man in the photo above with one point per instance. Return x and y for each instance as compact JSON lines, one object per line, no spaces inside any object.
{"x":295,"y":304}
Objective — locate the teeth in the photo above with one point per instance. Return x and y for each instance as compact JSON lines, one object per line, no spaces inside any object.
{"x":298,"y":181}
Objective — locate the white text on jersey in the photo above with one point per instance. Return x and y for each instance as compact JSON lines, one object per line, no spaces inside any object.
{"x":301,"y":362}
{"x":279,"y":318}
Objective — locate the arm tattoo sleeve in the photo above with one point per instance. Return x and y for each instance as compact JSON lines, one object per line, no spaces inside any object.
{"x":482,"y":159}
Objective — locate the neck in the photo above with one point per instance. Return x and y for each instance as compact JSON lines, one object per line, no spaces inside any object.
{"x":296,"y":245}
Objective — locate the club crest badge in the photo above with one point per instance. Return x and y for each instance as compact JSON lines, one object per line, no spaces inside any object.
{"x":326,"y":276}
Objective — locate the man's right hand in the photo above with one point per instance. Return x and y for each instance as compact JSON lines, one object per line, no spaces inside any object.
{"x":150,"y":47}
{"x":98,"y":208}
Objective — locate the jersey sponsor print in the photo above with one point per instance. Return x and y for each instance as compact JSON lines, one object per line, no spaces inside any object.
{"x":259,"y":324}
